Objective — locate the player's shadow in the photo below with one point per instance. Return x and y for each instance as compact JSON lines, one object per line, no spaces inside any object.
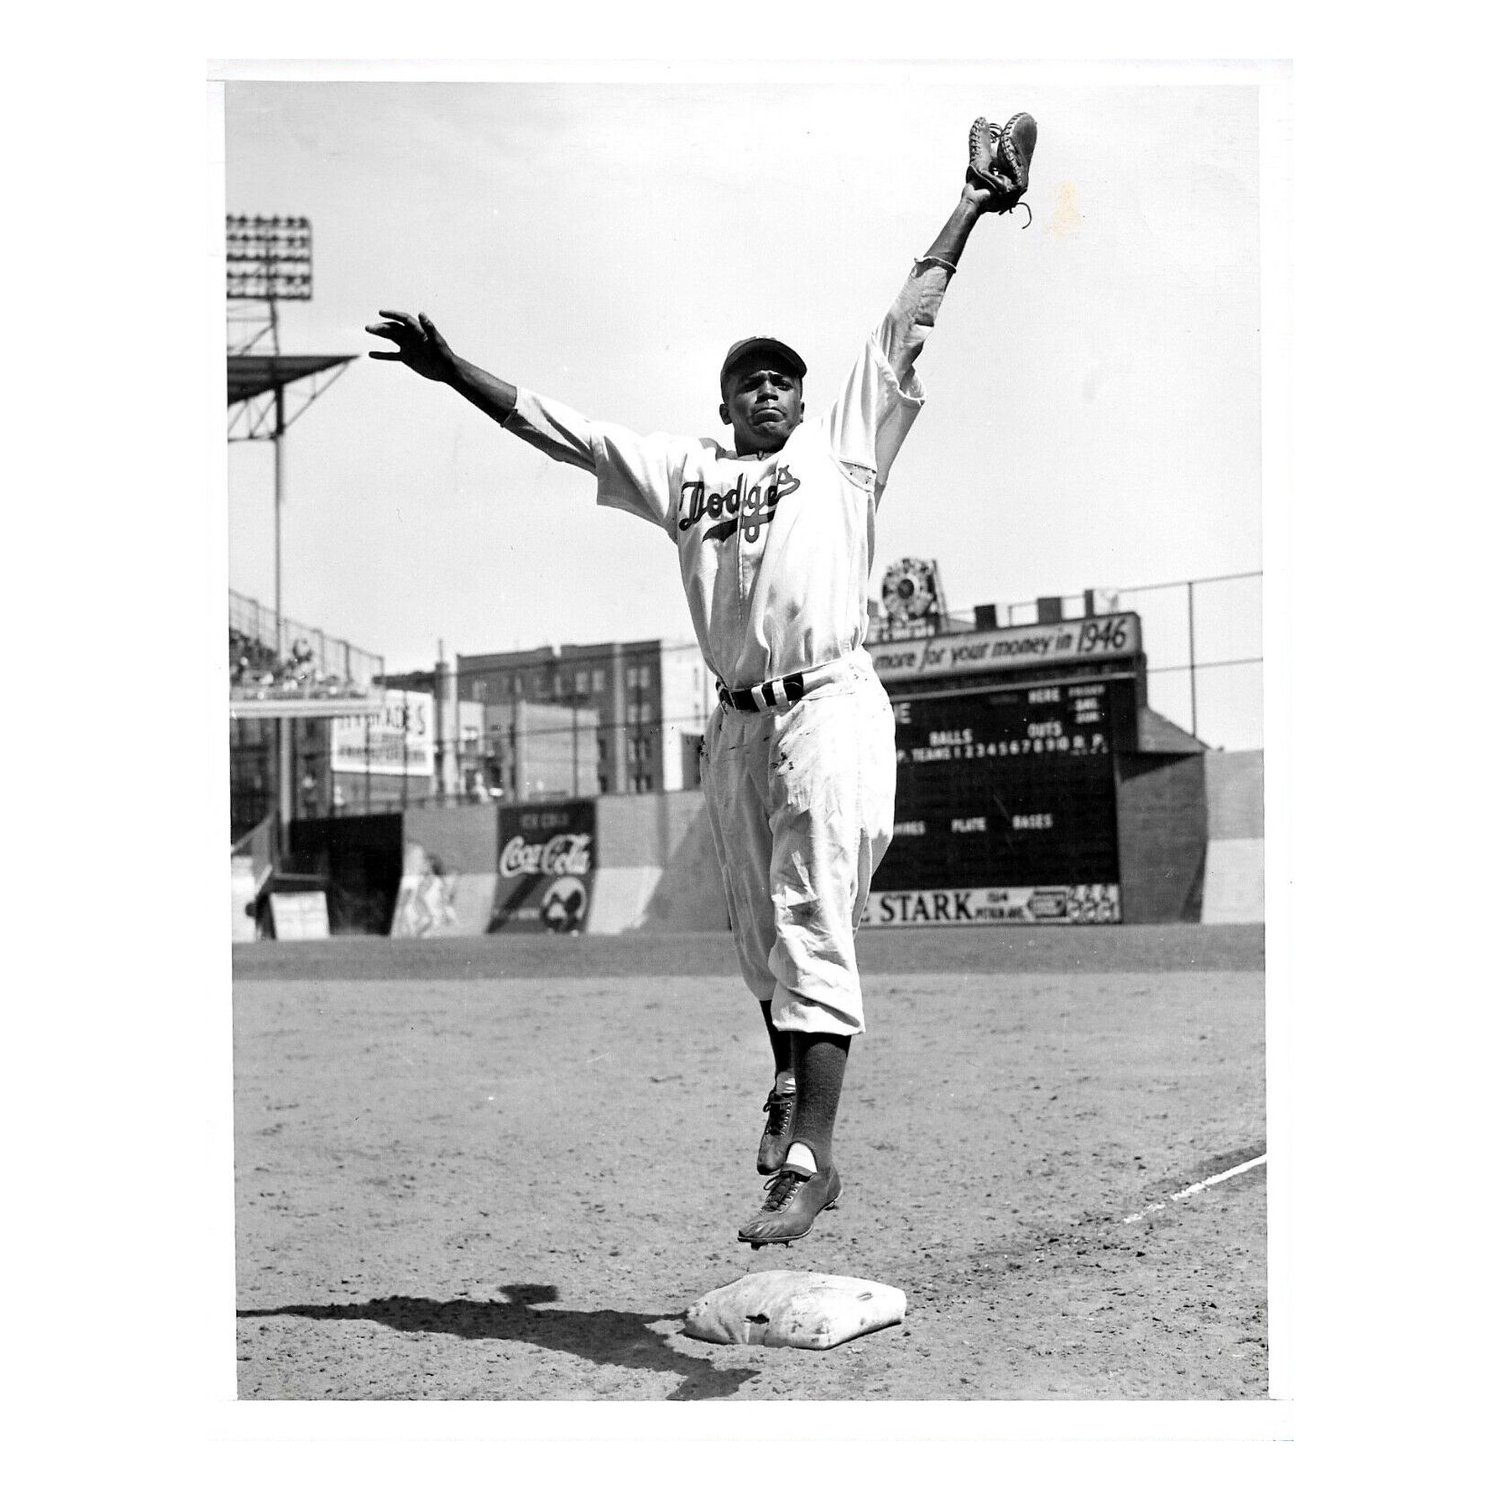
{"x":622,"y":1339}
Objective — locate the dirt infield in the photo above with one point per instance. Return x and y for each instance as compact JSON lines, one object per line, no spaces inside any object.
{"x":501,"y":1169}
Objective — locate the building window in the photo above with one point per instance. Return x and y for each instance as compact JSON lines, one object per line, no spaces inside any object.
{"x":580,"y":682}
{"x":598,"y":679}
{"x":481,"y":690}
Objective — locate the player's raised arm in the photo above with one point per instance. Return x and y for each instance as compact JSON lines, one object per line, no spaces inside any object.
{"x":420,"y":347}
{"x":997,"y":177}
{"x":635,"y":472}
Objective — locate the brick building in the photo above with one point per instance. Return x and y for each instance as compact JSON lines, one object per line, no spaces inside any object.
{"x":534,"y":751}
{"x":644,"y":705}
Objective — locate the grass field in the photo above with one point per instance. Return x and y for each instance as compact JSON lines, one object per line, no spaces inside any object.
{"x":501,"y":1169}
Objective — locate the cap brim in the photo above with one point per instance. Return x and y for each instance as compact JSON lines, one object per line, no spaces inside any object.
{"x":751,"y":349}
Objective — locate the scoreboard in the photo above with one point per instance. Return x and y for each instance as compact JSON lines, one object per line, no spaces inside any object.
{"x":1005,"y":805}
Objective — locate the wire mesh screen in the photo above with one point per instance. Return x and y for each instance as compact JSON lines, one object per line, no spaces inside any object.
{"x":329,"y":654}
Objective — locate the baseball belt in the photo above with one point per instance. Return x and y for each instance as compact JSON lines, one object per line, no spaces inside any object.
{"x":781,"y":692}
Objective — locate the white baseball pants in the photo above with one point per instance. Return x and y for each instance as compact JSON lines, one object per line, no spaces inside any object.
{"x":801,"y":802}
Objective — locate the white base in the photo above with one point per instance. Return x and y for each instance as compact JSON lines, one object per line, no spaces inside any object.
{"x":794,"y":1310}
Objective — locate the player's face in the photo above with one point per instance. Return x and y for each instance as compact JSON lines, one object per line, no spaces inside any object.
{"x":763,"y":403}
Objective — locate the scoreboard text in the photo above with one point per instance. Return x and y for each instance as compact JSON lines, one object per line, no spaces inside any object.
{"x":1005,"y":807}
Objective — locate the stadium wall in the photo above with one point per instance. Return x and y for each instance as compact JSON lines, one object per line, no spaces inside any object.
{"x":1191,"y":830}
{"x":654,"y":867}
{"x":657,"y":870}
{"x":1162,"y":813}
{"x":654,"y":864}
{"x":361,"y":858}
{"x":1234,"y":880}
{"x":460,"y":842}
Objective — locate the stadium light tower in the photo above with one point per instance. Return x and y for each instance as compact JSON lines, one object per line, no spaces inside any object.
{"x":268,"y":261}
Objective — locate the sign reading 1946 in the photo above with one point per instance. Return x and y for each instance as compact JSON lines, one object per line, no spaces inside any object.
{"x":1013,"y":648}
{"x":1112,"y":635}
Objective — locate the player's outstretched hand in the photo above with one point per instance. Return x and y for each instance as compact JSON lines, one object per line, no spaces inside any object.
{"x":418,"y":344}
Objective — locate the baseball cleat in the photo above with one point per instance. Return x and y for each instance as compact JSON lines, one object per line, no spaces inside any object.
{"x":779,"y":1110}
{"x":792,"y":1203}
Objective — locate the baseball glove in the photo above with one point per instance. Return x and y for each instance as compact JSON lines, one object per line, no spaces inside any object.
{"x":1000,"y":160}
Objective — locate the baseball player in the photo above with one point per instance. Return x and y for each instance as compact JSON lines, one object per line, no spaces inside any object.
{"x":774,"y":539}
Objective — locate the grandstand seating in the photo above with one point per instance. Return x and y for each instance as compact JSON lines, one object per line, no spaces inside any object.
{"x":256,"y":671}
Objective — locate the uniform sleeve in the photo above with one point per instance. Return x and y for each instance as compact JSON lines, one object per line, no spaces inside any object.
{"x":904,"y":329}
{"x":635,"y":474}
{"x":875,"y":410}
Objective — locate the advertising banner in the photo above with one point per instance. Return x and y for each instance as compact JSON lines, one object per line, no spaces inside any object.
{"x":994,"y":904}
{"x":545,"y":870}
{"x":424,"y":903}
{"x":1099,"y":638}
{"x":395,"y":740}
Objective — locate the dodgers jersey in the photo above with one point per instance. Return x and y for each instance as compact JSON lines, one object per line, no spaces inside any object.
{"x":774,"y":549}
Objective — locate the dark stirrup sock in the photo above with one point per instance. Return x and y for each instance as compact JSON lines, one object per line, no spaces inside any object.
{"x":781,"y":1041}
{"x":818,"y":1059}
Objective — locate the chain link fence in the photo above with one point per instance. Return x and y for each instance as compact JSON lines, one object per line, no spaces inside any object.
{"x":330,"y":654}
{"x":1203,"y":650}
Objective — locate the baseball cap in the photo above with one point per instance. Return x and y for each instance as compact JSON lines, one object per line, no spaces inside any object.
{"x":748,"y":348}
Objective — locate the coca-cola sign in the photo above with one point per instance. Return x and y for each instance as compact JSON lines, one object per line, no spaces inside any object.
{"x":544,"y":868}
{"x":563,"y":854}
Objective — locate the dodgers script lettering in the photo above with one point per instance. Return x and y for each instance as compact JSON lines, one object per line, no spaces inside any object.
{"x":747,"y":512}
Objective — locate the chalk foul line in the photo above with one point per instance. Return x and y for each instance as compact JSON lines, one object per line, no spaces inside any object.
{"x":1197,"y":1187}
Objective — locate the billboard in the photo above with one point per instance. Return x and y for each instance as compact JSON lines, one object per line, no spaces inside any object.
{"x":424,"y":902}
{"x":1098,"y":638}
{"x":395,"y":740}
{"x":545,"y":867}
{"x":1005,"y":807}
{"x":956,"y":906}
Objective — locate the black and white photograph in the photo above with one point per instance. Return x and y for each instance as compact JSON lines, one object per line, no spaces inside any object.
{"x":826,"y":645}
{"x":828,"y":963}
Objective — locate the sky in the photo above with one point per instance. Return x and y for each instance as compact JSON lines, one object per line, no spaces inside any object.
{"x":1093,"y":415}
